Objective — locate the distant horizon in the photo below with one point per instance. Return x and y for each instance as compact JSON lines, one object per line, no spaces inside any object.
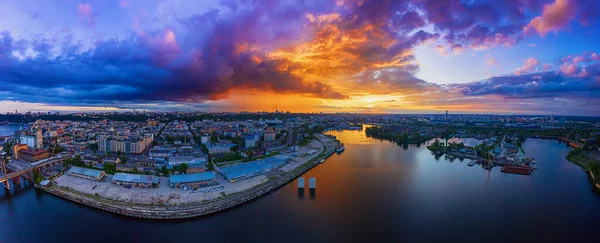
{"x":502,"y":57}
{"x":292,"y":113}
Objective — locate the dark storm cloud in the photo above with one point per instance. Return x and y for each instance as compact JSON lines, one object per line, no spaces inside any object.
{"x":213,"y":55}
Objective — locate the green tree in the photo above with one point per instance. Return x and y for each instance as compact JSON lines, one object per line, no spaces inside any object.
{"x":183,"y":168}
{"x":164,"y":170}
{"x":110,"y":168}
{"x":135,"y":170}
{"x":37,"y":177}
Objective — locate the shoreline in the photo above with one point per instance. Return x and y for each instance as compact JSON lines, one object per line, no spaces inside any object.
{"x":186,"y":211}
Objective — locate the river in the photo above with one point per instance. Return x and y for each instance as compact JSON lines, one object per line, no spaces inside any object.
{"x":374,"y":190}
{"x":6,"y":130}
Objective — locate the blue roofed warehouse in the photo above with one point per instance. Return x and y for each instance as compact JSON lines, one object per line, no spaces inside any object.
{"x":195,"y":180}
{"x":89,"y":174}
{"x":254,"y":168}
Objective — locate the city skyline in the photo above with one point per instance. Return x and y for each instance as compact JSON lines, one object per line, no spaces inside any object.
{"x":510,"y":57}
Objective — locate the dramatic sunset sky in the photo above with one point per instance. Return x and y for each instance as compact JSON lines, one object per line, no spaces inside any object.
{"x":379,"y":56}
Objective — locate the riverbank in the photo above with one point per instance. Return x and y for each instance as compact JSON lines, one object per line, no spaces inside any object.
{"x":187,"y":210}
{"x":586,"y":165}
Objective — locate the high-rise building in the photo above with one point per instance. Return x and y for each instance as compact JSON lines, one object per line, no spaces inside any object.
{"x":39,"y":139}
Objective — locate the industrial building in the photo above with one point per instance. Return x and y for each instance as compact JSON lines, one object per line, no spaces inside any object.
{"x":135,"y":180}
{"x":33,"y":155}
{"x":159,"y":152}
{"x":89,"y":174}
{"x":193,"y":180}
{"x":178,"y":160}
{"x":17,"y":148}
{"x":29,"y":140}
{"x":254,"y":168}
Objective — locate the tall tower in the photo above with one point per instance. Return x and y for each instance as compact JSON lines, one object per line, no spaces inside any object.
{"x":39,"y":140}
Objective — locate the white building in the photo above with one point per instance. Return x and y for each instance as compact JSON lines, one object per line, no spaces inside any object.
{"x":178,"y":160}
{"x":204,"y":139}
{"x":29,"y":140}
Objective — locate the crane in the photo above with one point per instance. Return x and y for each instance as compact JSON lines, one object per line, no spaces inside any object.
{"x":56,"y":144}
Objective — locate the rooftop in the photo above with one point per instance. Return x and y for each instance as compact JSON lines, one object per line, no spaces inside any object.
{"x":204,"y":176}
{"x":85,"y":172}
{"x":125,"y":177}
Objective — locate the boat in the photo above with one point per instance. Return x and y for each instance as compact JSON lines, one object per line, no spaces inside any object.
{"x":513,"y":169}
{"x":473,"y":162}
{"x":321,"y":161}
{"x":340,"y":148}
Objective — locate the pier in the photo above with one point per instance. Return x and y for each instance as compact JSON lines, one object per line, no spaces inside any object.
{"x":312,"y":183}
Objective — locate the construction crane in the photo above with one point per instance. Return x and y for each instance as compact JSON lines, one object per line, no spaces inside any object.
{"x":56,"y":144}
{"x":69,"y":144}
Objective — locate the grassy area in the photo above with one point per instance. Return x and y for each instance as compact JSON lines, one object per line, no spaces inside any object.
{"x":585,"y":164}
{"x":581,"y":161}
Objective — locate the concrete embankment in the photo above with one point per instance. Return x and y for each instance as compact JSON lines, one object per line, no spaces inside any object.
{"x":182,"y":211}
{"x":593,"y":179}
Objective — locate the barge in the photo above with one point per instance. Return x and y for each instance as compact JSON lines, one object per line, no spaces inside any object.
{"x":521,"y":170}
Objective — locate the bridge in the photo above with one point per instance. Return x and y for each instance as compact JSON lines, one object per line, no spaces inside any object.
{"x":25,"y":171}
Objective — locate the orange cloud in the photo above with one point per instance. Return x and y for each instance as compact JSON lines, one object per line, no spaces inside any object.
{"x":554,"y":17}
{"x":529,"y":65}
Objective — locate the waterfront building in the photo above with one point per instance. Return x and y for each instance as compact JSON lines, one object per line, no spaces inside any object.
{"x":135,"y":180}
{"x":194,"y":180}
{"x":33,"y":155}
{"x":89,"y":174}
{"x":254,"y":168}
{"x":17,"y":148}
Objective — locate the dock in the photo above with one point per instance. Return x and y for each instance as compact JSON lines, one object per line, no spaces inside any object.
{"x":472,"y":163}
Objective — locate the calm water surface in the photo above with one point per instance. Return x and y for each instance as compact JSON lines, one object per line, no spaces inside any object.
{"x":6,"y":130}
{"x":375,"y":190}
